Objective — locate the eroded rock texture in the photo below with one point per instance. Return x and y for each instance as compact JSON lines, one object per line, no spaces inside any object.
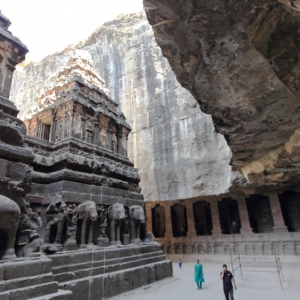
{"x":240,"y":60}
{"x":172,"y":142}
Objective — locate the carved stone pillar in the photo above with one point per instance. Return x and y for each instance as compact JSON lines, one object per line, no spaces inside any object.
{"x":119,"y":139}
{"x":279,"y":225}
{"x":169,"y":232}
{"x":215,"y":218}
{"x":244,"y":217}
{"x":96,"y":130}
{"x":149,"y":217}
{"x":82,"y":119}
{"x":110,"y":131}
{"x":53,"y":128}
{"x":190,"y":218}
{"x":126,"y":144}
{"x":8,"y":78}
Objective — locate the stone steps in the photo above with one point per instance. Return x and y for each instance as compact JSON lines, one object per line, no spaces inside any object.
{"x":103,"y":273}
{"x":107,"y":285}
{"x":30,"y":291}
{"x":98,"y":262}
{"x":28,"y":278}
{"x":12,"y":284}
{"x":59,"y":295}
{"x":93,"y":271}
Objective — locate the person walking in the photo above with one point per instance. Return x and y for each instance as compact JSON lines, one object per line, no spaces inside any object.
{"x":228,"y":279}
{"x":180,"y":264}
{"x":199,"y":277}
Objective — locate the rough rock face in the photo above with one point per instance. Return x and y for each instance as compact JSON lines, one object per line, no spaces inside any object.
{"x":240,"y":60}
{"x":172,"y":142}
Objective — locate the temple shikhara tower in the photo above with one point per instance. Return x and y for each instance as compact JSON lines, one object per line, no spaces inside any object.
{"x":71,"y":210}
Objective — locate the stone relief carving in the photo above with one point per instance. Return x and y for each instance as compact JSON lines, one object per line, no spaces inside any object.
{"x":137,"y":218}
{"x":56,"y":215}
{"x":116,"y":215}
{"x":87,"y":217}
{"x":10,"y":214}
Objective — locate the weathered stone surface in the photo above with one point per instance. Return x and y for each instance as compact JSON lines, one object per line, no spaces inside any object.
{"x":240,"y":61}
{"x":172,"y":143}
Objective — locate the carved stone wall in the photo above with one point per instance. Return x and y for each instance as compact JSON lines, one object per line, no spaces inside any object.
{"x":271,"y":230}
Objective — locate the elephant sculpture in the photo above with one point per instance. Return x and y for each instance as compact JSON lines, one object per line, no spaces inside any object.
{"x":116,"y":214}
{"x":137,"y":218}
{"x":87,"y":214}
{"x":10,"y":214}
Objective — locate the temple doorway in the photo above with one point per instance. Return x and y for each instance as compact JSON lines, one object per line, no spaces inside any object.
{"x":260,"y":213}
{"x":290,"y":206}
{"x":229,"y":216}
{"x":179,"y":220}
{"x":203,"y":219}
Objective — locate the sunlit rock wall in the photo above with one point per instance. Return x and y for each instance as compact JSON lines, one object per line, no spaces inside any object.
{"x":172,"y":142}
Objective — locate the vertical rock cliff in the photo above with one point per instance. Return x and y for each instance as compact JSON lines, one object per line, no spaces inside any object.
{"x":174,"y":145}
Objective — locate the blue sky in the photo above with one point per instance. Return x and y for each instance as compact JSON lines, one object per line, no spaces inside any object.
{"x":48,"y":26}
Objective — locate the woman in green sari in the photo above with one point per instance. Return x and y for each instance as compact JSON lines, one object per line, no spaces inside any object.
{"x":199,"y":277}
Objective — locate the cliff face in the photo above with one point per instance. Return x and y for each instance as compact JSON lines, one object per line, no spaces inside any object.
{"x":172,"y":143}
{"x":240,"y":60}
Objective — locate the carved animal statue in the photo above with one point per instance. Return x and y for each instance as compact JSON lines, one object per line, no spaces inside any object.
{"x":56,"y":215}
{"x":87,"y":216}
{"x":137,"y":217}
{"x":9,"y":220}
{"x":116,"y":214}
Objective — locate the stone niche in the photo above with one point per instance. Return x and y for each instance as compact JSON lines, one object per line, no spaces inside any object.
{"x":71,"y":210}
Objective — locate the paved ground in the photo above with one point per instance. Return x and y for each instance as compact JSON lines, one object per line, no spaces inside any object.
{"x":255,"y":285}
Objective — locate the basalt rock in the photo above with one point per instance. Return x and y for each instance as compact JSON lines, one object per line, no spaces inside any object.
{"x":240,"y":61}
{"x":172,"y":143}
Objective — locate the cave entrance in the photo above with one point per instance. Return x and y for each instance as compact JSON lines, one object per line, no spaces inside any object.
{"x":260,"y":214}
{"x":158,"y":221}
{"x":290,"y":207}
{"x":179,"y":220}
{"x":229,"y":216}
{"x":202,"y":217}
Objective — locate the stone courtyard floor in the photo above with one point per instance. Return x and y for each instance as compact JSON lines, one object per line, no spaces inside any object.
{"x":255,"y":285}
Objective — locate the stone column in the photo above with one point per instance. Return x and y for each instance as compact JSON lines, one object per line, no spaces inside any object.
{"x":244,"y":217}
{"x":53,"y":128}
{"x":279,"y":225}
{"x":110,"y":131}
{"x":149,"y":216}
{"x":82,"y":119}
{"x":190,"y":218}
{"x":119,"y":139}
{"x":8,"y":79}
{"x":96,"y":129}
{"x":168,"y":220}
{"x":215,"y":217}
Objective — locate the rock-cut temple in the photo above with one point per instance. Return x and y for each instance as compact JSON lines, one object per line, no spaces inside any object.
{"x":72,"y":218}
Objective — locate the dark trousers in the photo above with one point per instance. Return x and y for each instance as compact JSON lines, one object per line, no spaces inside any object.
{"x":227,"y":292}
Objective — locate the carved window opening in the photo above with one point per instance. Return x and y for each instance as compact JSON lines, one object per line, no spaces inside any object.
{"x":179,"y":220}
{"x":260,"y":214}
{"x":229,"y":216}
{"x":158,"y":221}
{"x":203,"y":218}
{"x":290,"y":207}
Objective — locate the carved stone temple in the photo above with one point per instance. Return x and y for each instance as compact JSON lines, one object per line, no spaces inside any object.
{"x":72,"y":221}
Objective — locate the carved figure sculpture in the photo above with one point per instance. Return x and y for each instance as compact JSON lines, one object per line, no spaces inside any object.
{"x":102,"y":239}
{"x":87,"y":216}
{"x":137,"y":217}
{"x":116,"y":215}
{"x":70,"y":243}
{"x":56,"y":215}
{"x":9,"y":220}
